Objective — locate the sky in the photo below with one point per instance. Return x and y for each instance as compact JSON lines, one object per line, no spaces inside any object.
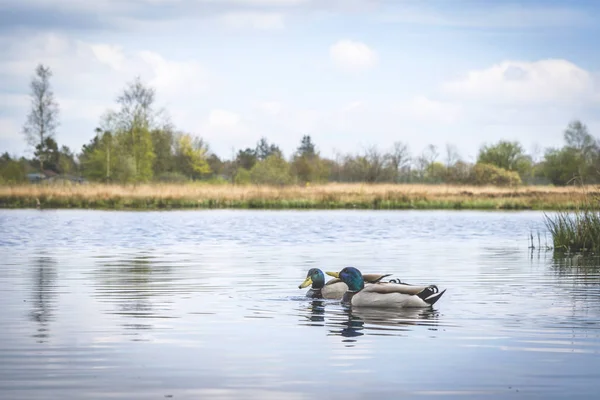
{"x":350,"y":73}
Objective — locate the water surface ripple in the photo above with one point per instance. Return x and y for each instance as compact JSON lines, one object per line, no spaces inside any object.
{"x":205,"y":304}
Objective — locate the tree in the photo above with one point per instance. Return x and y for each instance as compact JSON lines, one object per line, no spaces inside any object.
{"x":191,"y":155}
{"x":163,"y":144}
{"x":307,"y":164}
{"x":47,"y":154}
{"x":42,"y":120}
{"x":577,"y":137}
{"x":306,"y":148}
{"x":562,"y":166}
{"x":264,"y":149}
{"x":398,"y":158}
{"x":246,"y":158}
{"x":506,"y":155}
{"x":135,"y":120}
{"x":273,"y":170}
{"x":452,"y":155}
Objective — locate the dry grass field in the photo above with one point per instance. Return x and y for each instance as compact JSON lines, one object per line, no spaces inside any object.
{"x":326,"y":196}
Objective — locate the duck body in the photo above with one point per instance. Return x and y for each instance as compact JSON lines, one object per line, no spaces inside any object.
{"x":385,"y":294}
{"x":334,"y":288}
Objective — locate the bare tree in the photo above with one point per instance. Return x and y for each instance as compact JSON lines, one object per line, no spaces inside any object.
{"x":452,"y":155}
{"x":375,"y":163}
{"x":398,"y":158}
{"x":42,"y":120}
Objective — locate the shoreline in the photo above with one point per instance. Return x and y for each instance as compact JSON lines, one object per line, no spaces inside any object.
{"x":331,"y":196}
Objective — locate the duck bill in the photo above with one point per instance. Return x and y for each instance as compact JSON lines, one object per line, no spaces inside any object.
{"x":306,"y":283}
{"x":334,"y":274}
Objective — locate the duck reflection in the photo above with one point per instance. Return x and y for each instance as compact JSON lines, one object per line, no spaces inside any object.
{"x":43,"y":288}
{"x":356,"y":322}
{"x":315,"y":313}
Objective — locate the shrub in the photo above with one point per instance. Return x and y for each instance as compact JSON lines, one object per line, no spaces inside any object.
{"x":487,"y":174}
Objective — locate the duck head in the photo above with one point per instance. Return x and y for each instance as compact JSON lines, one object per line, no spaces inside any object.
{"x":315,"y":277}
{"x":352,"y":277}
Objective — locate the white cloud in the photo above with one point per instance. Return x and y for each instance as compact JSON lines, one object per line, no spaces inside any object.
{"x":110,"y":55}
{"x":8,"y":128}
{"x":510,"y":82}
{"x":223,"y":119}
{"x":426,"y":109}
{"x":271,"y":108}
{"x":254,"y":20}
{"x":87,"y":77}
{"x":352,"y":56}
{"x":506,"y":16}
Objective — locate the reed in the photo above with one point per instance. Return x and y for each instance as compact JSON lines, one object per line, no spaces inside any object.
{"x":577,"y":230}
{"x":326,"y":196}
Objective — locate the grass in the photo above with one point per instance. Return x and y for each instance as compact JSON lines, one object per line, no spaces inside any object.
{"x":578,"y":230}
{"x":327,"y":196}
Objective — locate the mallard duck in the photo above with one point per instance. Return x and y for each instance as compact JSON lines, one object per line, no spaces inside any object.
{"x":385,"y":294}
{"x":334,"y":288}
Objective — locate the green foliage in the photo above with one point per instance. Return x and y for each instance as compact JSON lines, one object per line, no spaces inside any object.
{"x":436,"y":172}
{"x":246,"y":158}
{"x":562,"y":166}
{"x":162,"y":144}
{"x":487,"y":174}
{"x":242,"y":177}
{"x":191,"y":157}
{"x":264,"y":150}
{"x":12,"y":171}
{"x":307,"y":148}
{"x":506,"y":155}
{"x":273,"y":170}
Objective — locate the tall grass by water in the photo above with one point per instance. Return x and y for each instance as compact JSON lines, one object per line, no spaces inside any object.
{"x":577,"y":230}
{"x":326,"y":196}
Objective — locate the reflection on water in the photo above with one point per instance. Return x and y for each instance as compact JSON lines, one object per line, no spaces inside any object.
{"x":43,"y":295}
{"x":206,"y":305}
{"x":132,"y":284}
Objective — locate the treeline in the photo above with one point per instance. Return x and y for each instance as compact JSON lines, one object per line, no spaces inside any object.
{"x":136,"y":143}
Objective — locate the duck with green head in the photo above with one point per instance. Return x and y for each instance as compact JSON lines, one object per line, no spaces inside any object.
{"x":334,"y":288}
{"x":384,"y":294}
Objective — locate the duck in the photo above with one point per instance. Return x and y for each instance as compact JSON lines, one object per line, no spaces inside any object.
{"x":334,"y":288}
{"x":384,"y":294}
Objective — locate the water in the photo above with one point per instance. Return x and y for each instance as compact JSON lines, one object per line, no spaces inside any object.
{"x":205,"y":304}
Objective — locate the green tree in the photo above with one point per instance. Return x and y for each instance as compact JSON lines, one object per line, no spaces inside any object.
{"x":246,"y":158}
{"x":135,"y":120}
{"x":506,"y":155}
{"x":46,"y":154}
{"x":273,"y":170}
{"x":307,"y":147}
{"x":562,"y":166}
{"x":42,"y":119}
{"x":488,"y":174}
{"x":11,"y":170}
{"x":585,"y":148}
{"x":307,"y":164}
{"x":163,"y":144}
{"x":191,"y":156}
{"x":264,"y":149}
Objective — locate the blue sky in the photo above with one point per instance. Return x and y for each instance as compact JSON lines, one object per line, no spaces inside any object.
{"x":352,"y":73}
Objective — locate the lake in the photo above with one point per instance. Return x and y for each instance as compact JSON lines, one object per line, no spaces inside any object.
{"x":205,"y":304}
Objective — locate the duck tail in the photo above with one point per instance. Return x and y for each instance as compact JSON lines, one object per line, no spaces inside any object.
{"x":431,"y":294}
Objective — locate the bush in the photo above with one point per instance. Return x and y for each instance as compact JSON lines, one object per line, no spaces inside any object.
{"x":273,"y":170}
{"x":242,"y":177}
{"x":487,"y":174}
